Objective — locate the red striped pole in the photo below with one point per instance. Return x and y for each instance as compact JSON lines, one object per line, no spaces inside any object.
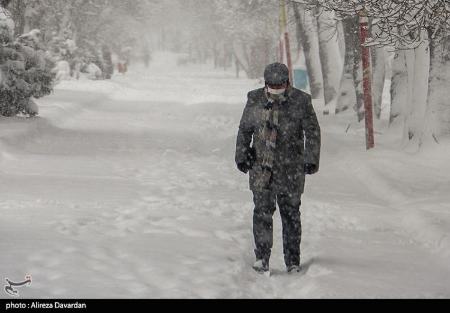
{"x":367,"y":81}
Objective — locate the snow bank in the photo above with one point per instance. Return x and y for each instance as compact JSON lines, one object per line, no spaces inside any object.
{"x":411,"y":185}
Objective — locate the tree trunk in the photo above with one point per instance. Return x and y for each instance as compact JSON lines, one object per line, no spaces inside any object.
{"x":418,"y":65}
{"x":347,"y":96}
{"x":358,"y":77}
{"x":439,"y":110}
{"x":330,"y":58}
{"x":240,"y":55}
{"x":216,"y":55}
{"x":258,"y":58}
{"x":17,"y":9}
{"x":253,"y":57}
{"x":379,"y":58}
{"x":378,"y":79}
{"x":399,"y":88}
{"x":308,"y":37}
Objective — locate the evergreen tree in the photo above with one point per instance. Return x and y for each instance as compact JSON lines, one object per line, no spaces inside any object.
{"x":25,"y":69}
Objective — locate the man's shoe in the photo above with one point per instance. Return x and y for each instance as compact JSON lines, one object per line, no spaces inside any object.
{"x":261,"y":266}
{"x":294,"y":269}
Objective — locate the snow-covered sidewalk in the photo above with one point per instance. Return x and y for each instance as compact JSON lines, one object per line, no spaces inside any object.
{"x":128,"y":189}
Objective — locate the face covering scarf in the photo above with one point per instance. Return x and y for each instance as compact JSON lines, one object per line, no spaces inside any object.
{"x":276,"y":92}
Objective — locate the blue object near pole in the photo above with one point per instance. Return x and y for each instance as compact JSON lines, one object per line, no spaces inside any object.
{"x":301,"y":79}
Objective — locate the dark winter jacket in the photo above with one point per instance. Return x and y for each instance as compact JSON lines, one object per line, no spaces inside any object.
{"x":299,"y":140}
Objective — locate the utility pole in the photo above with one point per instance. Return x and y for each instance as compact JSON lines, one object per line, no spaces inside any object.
{"x":367,"y":80}
{"x":285,"y":38}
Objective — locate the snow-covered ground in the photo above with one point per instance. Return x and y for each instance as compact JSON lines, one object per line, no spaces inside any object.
{"x":128,"y":189}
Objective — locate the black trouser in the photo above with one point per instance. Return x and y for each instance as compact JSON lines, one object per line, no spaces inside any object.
{"x":265,"y":207}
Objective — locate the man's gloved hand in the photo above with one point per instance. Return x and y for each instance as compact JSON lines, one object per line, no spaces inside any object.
{"x":310,"y":169}
{"x":246,"y":166}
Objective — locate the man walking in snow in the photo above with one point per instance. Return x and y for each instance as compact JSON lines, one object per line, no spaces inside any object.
{"x":281,"y":122}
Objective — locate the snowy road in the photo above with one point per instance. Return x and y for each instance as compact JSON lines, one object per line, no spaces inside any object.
{"x":128,"y":189}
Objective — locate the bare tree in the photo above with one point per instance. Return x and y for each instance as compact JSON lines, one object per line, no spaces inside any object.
{"x":307,"y":36}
